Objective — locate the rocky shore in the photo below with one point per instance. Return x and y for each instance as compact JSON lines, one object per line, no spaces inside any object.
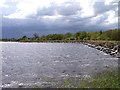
{"x":111,"y":47}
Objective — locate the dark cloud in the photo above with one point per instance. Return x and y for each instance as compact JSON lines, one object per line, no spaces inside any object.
{"x":68,"y":22}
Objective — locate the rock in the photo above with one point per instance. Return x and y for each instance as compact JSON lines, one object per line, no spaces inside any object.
{"x":115,"y":53}
{"x":115,"y":48}
{"x":118,"y":55}
{"x":119,"y":48}
{"x":107,"y":47}
{"x":93,"y":46}
{"x":107,"y":50}
{"x":112,"y":53}
{"x":99,"y":48}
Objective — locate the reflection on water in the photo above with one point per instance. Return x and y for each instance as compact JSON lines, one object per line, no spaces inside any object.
{"x":45,"y":63}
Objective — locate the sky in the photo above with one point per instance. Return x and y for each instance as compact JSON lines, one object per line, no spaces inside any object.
{"x":26,"y":17}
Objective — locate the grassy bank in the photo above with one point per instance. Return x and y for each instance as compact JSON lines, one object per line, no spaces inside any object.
{"x":102,"y":80}
{"x":106,"y":79}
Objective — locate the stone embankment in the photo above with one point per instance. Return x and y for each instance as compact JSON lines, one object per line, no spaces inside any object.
{"x":109,"y":47}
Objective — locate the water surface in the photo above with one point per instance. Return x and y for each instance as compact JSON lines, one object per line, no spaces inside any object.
{"x":26,"y":64}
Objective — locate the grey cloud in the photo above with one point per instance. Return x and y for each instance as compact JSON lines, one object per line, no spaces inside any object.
{"x":66,"y":9}
{"x":69,"y":8}
{"x":17,"y":28}
{"x":101,"y":7}
{"x":69,"y":22}
{"x":46,"y":10}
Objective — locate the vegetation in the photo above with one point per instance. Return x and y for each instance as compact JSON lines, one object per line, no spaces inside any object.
{"x":6,"y":39}
{"x":102,"y":80}
{"x":109,"y":79}
{"x":109,"y":35}
{"x":105,"y":79}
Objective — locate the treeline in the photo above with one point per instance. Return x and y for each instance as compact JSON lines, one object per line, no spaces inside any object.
{"x":110,"y":35}
{"x":10,"y":39}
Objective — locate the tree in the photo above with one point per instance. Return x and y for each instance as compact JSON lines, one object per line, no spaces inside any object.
{"x":113,"y":34}
{"x":101,"y":32}
{"x":35,"y":35}
{"x":68,"y":36}
{"x":24,"y":38}
{"x":77,"y":35}
{"x":83,"y":35}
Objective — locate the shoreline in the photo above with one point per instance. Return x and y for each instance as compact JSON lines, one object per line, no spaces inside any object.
{"x":109,"y":47}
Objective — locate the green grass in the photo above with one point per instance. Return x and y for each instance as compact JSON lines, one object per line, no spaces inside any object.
{"x":106,"y":79}
{"x":102,"y":80}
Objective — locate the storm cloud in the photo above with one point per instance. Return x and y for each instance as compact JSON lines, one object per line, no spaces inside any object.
{"x":26,"y":17}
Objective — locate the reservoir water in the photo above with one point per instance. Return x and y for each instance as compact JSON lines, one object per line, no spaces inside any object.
{"x":45,"y":64}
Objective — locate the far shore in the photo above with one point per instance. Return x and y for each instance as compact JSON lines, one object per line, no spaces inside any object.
{"x":63,"y":41}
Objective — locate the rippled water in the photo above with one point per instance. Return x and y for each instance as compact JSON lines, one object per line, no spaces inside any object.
{"x":25,"y":64}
